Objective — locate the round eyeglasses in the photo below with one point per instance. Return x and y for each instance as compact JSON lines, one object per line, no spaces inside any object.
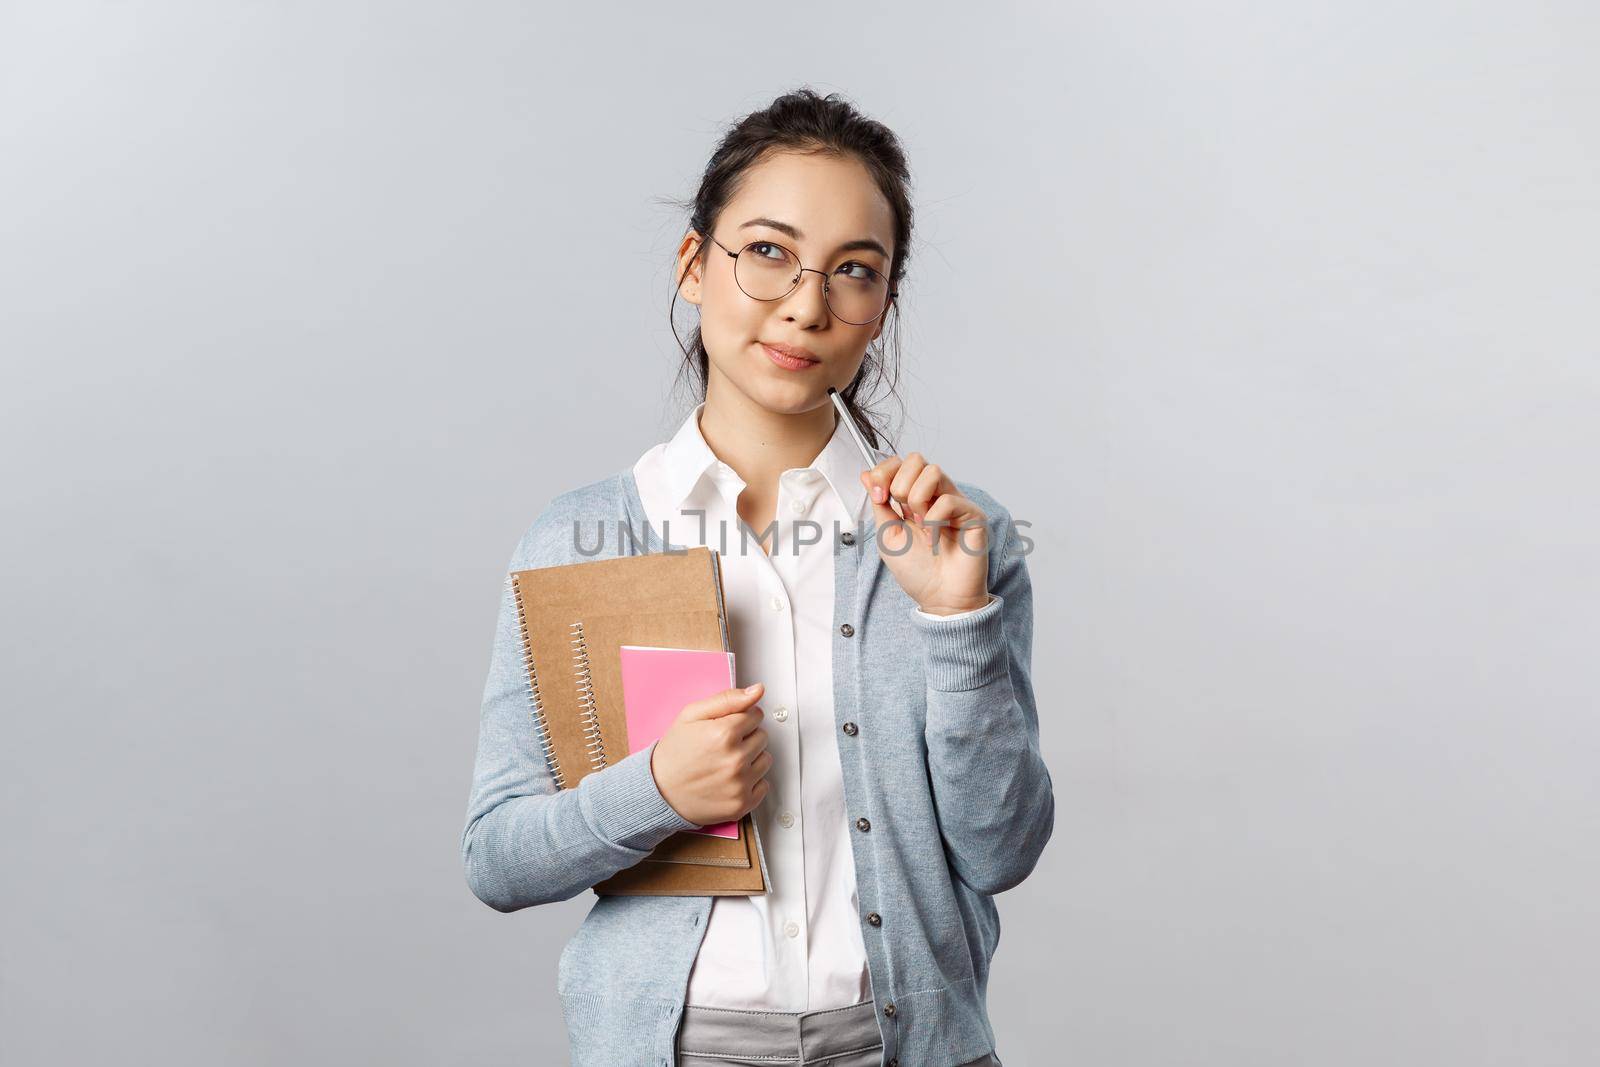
{"x":765,"y":270}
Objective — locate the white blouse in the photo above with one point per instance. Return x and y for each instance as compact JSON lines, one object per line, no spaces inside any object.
{"x":798,"y":947}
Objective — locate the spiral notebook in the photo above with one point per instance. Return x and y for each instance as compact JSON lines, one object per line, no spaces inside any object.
{"x":574,"y":620}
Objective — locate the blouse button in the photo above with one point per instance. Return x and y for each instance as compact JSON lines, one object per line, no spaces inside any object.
{"x":849,"y":728}
{"x":777,"y":603}
{"x":798,"y":507}
{"x":863,"y":825}
{"x":874,"y":919}
{"x":848,"y":538}
{"x":847,"y":629}
{"x":888,"y":1009}
{"x":786,"y":819}
{"x":782,"y":714}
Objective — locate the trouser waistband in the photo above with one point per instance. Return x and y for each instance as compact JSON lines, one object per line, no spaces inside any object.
{"x":786,"y":1037}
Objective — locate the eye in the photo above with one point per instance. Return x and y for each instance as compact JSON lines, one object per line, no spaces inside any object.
{"x":868,"y":274}
{"x":760,"y":247}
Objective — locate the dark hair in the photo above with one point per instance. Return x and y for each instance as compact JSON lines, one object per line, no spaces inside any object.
{"x":802,"y":121}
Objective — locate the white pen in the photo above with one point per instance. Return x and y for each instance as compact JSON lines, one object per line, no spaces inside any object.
{"x":861,"y":442}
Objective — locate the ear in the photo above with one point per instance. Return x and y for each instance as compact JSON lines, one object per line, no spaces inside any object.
{"x":689,"y":265}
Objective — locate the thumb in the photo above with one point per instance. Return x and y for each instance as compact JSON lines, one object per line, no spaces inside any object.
{"x":719,"y":704}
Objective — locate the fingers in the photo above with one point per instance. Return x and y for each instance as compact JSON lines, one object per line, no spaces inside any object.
{"x":882,"y":475}
{"x":913,"y":482}
{"x":718,"y":705}
{"x":964,"y":518}
{"x":760,"y":766}
{"x":904,"y":478}
{"x":751,"y":745}
{"x":926,"y":487}
{"x":740,"y":725}
{"x":749,"y":780}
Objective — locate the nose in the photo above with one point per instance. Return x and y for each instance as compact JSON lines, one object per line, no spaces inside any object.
{"x":818,"y":306}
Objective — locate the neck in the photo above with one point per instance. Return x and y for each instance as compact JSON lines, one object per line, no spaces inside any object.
{"x":758,"y":443}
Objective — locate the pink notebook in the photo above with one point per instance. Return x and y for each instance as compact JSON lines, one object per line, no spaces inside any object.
{"x":658,"y":682}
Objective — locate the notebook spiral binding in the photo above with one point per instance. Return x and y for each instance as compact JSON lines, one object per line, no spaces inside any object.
{"x":541,"y":728}
{"x":593,"y":743}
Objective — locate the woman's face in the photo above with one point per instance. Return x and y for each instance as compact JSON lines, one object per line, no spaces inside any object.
{"x":813,"y":205}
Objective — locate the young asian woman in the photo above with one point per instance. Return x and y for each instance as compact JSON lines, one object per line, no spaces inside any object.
{"x":885,"y":734}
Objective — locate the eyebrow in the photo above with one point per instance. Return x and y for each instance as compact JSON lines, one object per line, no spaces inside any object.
{"x":849,"y":246}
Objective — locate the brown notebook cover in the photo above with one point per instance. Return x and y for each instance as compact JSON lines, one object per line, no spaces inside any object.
{"x":574,"y":617}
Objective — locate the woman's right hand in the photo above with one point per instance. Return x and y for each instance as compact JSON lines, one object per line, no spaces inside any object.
{"x":712,"y":762}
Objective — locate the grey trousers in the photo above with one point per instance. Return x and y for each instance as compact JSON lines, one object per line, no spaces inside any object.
{"x":837,"y":1037}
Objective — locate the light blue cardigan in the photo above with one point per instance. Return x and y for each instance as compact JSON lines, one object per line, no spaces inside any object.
{"x":939,"y":746}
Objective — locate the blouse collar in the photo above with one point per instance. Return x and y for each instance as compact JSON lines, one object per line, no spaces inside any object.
{"x":688,"y":459}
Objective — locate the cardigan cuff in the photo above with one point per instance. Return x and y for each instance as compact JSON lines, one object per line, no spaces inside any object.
{"x":965,"y":651}
{"x":625,"y":805}
{"x":931,"y":617}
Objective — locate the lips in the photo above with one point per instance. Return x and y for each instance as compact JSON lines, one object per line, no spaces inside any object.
{"x":789,"y":356}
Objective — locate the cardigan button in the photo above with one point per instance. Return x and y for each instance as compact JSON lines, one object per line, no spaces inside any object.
{"x":874,"y":919}
{"x":847,"y":629}
{"x":863,"y":825}
{"x":888,"y":1009}
{"x":849,"y":728}
{"x":848,"y":538}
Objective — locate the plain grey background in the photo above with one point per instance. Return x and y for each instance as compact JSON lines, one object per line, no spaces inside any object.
{"x":1276,"y":321}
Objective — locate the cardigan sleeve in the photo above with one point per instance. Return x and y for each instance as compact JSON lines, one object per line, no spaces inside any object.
{"x":991,"y":789}
{"x":525,"y":842}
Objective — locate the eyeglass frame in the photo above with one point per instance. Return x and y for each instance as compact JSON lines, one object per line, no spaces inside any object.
{"x":893,"y":292}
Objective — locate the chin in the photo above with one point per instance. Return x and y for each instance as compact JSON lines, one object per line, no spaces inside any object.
{"x":793,"y":400}
{"x":785,"y":397}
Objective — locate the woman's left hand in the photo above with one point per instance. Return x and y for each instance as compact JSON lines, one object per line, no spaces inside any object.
{"x":940,"y":553}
